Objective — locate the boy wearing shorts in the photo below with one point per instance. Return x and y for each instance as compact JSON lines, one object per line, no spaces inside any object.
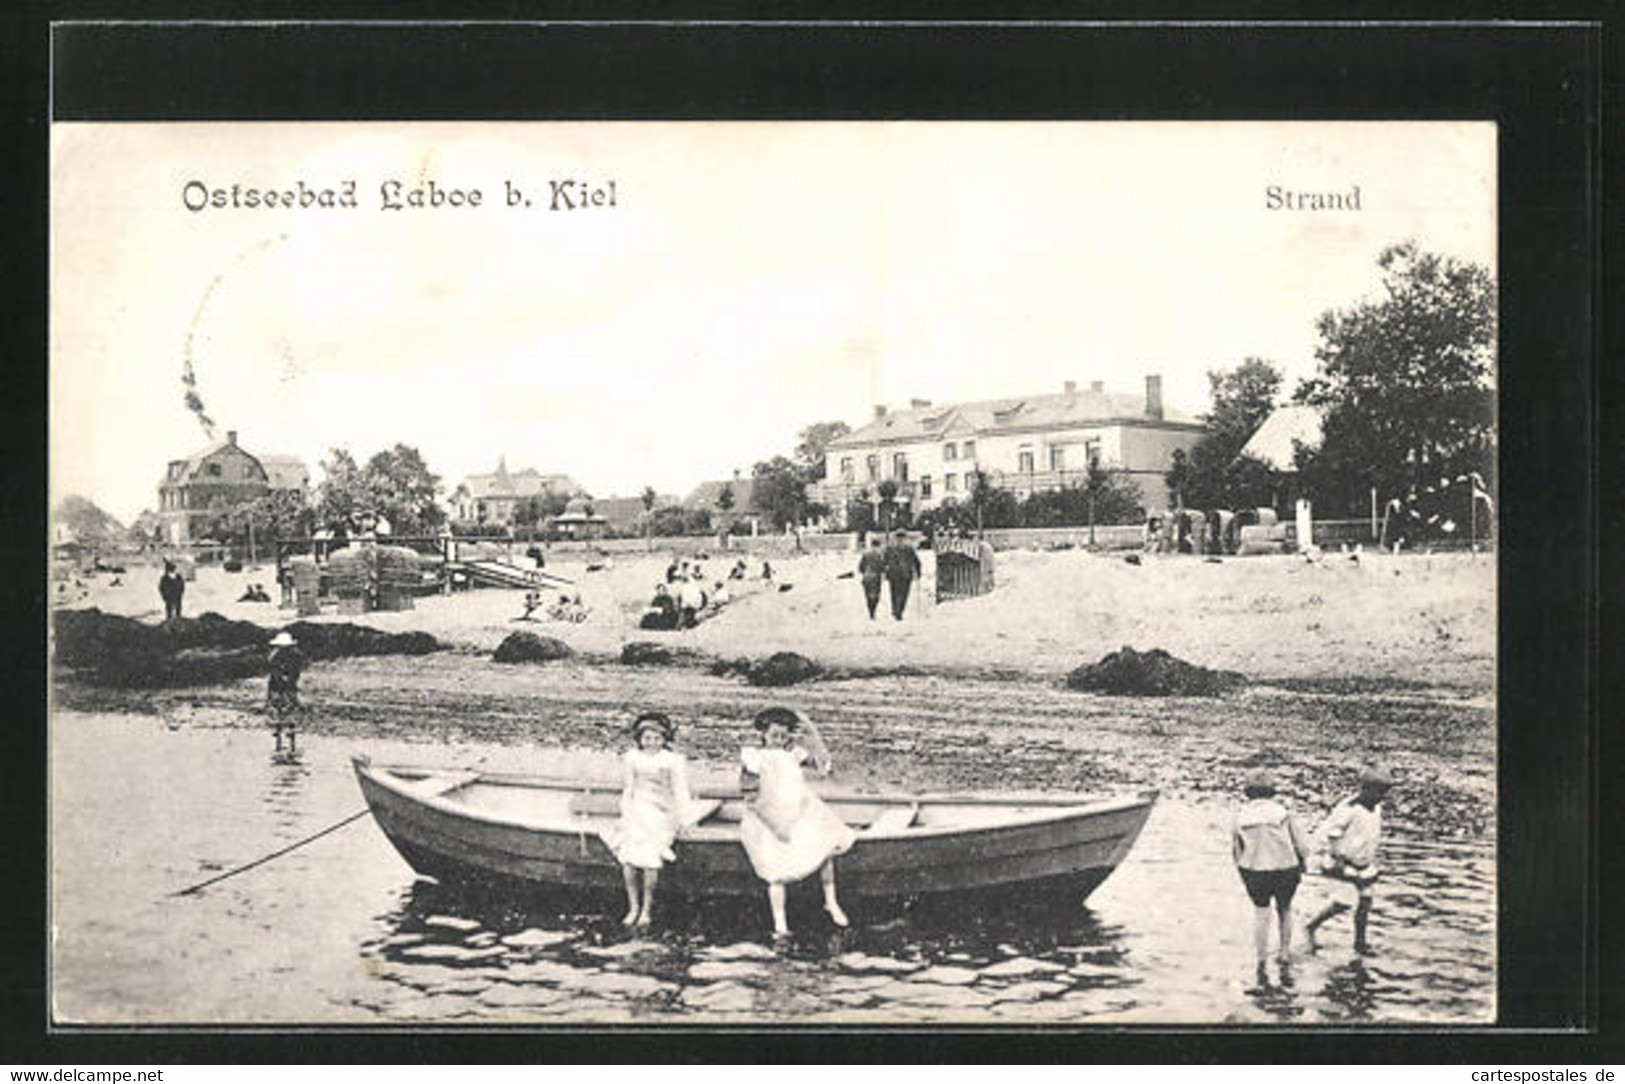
{"x":1270,"y":851}
{"x":1352,"y":833}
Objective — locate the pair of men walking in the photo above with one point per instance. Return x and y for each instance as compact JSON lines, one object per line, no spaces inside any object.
{"x":897,"y":564}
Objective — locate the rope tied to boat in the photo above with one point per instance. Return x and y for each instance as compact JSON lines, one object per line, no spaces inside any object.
{"x":274,"y":854}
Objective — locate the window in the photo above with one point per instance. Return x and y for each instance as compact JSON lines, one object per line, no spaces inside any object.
{"x":950,"y":451}
{"x":950,"y":483}
{"x":214,"y":470}
{"x":925,"y":487}
{"x":1091,"y":454}
{"x":873,"y":465}
{"x":899,"y":467}
{"x":970,"y":449}
{"x":846,"y":468}
{"x":1024,"y":461}
{"x":1057,"y":457}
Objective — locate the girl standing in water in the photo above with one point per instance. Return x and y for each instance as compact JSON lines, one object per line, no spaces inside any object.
{"x":655,"y":802}
{"x":787,"y":830}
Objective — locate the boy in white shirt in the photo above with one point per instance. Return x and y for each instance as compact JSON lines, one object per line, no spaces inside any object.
{"x":1352,"y":833}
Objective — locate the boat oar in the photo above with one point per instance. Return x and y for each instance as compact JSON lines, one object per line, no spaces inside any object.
{"x":274,"y":854}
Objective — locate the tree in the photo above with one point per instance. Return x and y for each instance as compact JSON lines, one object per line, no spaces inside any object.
{"x":1242,"y":399}
{"x":1178,"y":477}
{"x":1405,"y":387}
{"x":648,"y":497}
{"x":779,"y":491}
{"x":815,"y":439}
{"x":344,"y":492}
{"x":725,"y":498}
{"x":260,"y":523}
{"x":395,"y":482}
{"x":405,"y":490}
{"x":886,"y":492}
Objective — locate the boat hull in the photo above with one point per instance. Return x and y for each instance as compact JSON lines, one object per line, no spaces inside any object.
{"x":1072,"y":849}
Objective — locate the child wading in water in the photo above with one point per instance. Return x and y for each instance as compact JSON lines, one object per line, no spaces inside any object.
{"x":1352,"y":833}
{"x":655,"y":802}
{"x":787,"y":830}
{"x":1270,"y":852}
{"x":287,"y":662}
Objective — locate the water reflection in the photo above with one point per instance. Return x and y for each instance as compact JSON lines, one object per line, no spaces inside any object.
{"x":471,"y":953}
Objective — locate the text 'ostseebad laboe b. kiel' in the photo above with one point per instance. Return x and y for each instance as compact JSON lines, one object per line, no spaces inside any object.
{"x":395,"y":195}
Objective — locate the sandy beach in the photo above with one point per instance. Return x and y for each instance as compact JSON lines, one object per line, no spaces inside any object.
{"x":1413,"y":619}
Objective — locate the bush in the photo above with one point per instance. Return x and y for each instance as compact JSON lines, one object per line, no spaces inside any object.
{"x":529,"y":647}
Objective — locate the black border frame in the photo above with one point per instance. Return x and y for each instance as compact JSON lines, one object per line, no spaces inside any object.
{"x":1540,"y":82}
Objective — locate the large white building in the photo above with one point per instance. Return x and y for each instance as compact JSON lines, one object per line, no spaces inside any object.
{"x":1025,"y":445}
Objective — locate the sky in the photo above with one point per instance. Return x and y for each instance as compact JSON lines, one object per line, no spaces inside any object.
{"x":751,"y":279}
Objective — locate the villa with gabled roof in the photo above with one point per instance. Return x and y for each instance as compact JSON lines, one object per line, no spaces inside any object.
{"x":196,"y":490}
{"x":496,"y":498}
{"x":1025,"y":444}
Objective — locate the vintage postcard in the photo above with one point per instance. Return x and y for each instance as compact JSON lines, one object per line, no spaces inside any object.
{"x":773,"y":573}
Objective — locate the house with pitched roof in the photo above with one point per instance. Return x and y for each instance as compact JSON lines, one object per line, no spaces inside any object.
{"x":741,"y":511}
{"x":1026,"y":445}
{"x":496,"y":498}
{"x":198,"y":489}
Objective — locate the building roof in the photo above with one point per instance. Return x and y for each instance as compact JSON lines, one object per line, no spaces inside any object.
{"x":285,"y":471}
{"x":281,"y":471}
{"x":516,"y":485}
{"x":1066,"y":410}
{"x":1272,"y":444}
{"x":626,"y":511}
{"x":579,"y":510}
{"x":705,"y":495}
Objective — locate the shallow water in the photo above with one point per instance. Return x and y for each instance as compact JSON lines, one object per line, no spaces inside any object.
{"x":340,"y":930}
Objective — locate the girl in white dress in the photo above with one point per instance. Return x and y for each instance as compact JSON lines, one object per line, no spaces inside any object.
{"x":655,"y":802}
{"x":787,"y":830}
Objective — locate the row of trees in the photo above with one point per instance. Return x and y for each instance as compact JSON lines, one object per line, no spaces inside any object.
{"x":1404,"y":392}
{"x":395,"y":483}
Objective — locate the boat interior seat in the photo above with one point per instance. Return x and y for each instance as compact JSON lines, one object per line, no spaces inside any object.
{"x":607,"y":803}
{"x":596,"y":803}
{"x":894,"y":819}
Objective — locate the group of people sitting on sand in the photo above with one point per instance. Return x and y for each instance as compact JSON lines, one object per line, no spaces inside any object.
{"x":685,"y":599}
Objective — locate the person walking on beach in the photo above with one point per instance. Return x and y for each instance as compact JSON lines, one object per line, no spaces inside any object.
{"x":282,"y":687}
{"x":902,"y":568}
{"x":171,"y":586}
{"x":871,"y":567}
{"x":1352,"y":834}
{"x":787,"y":830}
{"x":1270,"y":852}
{"x":655,"y":803}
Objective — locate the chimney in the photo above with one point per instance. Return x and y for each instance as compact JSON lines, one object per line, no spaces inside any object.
{"x":1072,"y":387}
{"x":231,"y":437}
{"x":917,"y":404}
{"x":1153,"y":397}
{"x":1096,"y":386}
{"x":880,"y":411}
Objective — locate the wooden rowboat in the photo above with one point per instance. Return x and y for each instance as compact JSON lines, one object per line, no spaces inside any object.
{"x":475,"y":826}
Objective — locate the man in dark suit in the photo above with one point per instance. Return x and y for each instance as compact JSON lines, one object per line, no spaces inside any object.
{"x":902,"y":566}
{"x":871,"y":567}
